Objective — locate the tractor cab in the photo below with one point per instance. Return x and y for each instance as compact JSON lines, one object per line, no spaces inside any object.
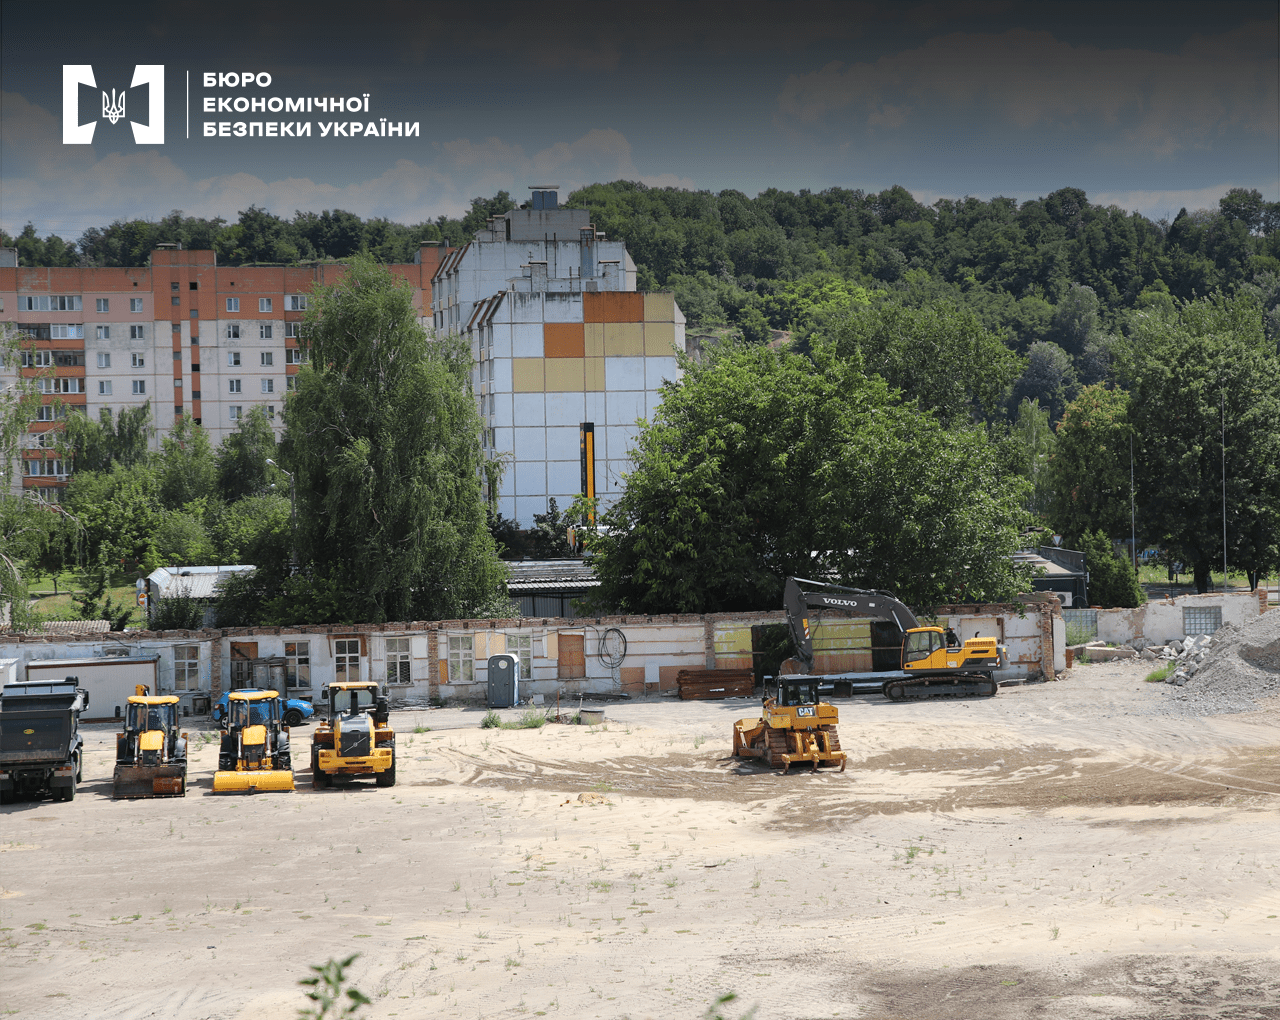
{"x":153,"y":722}
{"x":797,"y":691}
{"x":354,"y":698}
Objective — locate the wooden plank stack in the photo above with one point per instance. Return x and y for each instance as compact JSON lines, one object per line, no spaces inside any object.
{"x":715,"y":684}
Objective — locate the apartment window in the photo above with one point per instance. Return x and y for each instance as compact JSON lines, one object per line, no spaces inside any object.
{"x":68,"y":331}
{"x":398,"y":662}
{"x":103,"y":332}
{"x":175,"y":300}
{"x":268,"y":385}
{"x":104,"y":387}
{"x":271,"y":411}
{"x":290,"y":383}
{"x":42,"y":440}
{"x":233,"y":333}
{"x":137,"y":360}
{"x":103,"y":304}
{"x":68,"y":359}
{"x":186,"y":667}
{"x":264,"y":304}
{"x":50,"y":303}
{"x":264,"y":331}
{"x":37,"y":359}
{"x":346,"y":659}
{"x":293,"y":356}
{"x":267,"y":358}
{"x":47,"y":412}
{"x":173,"y":284}
{"x":297,"y":657}
{"x":43,"y":468}
{"x":292,"y":330}
{"x":521,"y":646}
{"x":233,"y":385}
{"x":177,"y":327}
{"x":234,"y":412}
{"x":139,"y":387}
{"x":193,"y":285}
{"x":233,"y":359}
{"x":135,"y":333}
{"x":1201,"y":620}
{"x":135,"y":304}
{"x":233,"y":304}
{"x":297,"y":303}
{"x":462,"y":659}
{"x":60,"y":385}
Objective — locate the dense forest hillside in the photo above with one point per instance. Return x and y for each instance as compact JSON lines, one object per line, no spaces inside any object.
{"x":1058,"y":278}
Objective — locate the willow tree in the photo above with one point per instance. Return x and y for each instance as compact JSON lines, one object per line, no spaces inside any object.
{"x":383,"y":436}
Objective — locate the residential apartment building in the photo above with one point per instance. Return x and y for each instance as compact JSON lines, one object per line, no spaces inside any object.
{"x":568,"y":356}
{"x":186,"y":334}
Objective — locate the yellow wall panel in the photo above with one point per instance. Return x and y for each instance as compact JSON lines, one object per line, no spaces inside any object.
{"x":624,"y":339}
{"x":729,"y":640}
{"x":659,"y":338}
{"x":660,"y":307}
{"x":565,"y":374}
{"x":526,"y":375}
{"x":594,"y":339}
{"x":594,"y":375}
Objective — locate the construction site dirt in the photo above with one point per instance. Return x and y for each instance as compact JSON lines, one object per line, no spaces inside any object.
{"x":1063,"y":850}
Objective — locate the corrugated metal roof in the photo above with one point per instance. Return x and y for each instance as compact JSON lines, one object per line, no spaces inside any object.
{"x":75,"y":627}
{"x":194,"y":582}
{"x":559,"y":575}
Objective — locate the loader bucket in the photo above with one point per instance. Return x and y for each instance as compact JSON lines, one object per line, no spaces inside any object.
{"x":265,"y":779}
{"x":132,"y":781}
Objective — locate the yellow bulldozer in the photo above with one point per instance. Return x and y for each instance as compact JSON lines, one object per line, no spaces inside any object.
{"x":255,"y":745}
{"x":795,"y":726}
{"x":355,"y":740}
{"x":151,"y":754}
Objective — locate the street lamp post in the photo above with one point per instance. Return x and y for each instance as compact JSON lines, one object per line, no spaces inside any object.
{"x":293,"y":517}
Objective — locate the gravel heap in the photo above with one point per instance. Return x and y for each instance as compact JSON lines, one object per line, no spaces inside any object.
{"x":1240,"y":666}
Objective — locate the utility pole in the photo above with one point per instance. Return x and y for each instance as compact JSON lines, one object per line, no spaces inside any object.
{"x":1223,"y":395}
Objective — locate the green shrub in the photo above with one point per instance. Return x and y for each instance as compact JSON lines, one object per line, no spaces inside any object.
{"x":491,"y":720}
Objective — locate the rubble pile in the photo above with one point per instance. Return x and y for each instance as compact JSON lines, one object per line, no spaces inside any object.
{"x":1231,"y":671}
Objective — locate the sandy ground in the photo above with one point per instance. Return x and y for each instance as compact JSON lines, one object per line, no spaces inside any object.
{"x":1057,"y":851}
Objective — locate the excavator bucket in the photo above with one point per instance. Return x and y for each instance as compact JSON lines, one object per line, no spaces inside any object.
{"x":134,"y":781}
{"x":264,"y":779}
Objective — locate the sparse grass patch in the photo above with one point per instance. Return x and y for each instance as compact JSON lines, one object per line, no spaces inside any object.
{"x":1159,"y":676}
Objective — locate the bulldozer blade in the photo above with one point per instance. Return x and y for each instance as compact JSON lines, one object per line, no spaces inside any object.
{"x":135,"y":781}
{"x":239,"y":782}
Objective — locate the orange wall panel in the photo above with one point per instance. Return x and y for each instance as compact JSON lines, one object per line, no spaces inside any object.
{"x":563,"y":340}
{"x":613,"y":306}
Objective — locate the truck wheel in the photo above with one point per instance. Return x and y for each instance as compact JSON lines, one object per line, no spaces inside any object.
{"x":69,"y":792}
{"x":293,"y":717}
{"x":387,"y":778}
{"x":79,"y":768}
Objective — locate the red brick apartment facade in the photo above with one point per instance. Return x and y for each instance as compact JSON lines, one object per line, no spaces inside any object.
{"x":192,"y":337}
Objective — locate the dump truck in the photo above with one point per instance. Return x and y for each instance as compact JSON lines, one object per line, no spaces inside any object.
{"x":254,"y":754}
{"x":933,"y":662}
{"x":355,"y":739}
{"x":151,"y":753}
{"x":41,"y":750}
{"x":794,"y":726}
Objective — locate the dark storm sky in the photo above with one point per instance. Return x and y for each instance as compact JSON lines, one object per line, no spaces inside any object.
{"x":1151,"y":106}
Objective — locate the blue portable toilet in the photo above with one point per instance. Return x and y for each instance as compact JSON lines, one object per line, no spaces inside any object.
{"x":504,"y":681}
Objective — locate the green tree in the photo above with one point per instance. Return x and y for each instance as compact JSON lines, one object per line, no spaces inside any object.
{"x":187,"y":468}
{"x":242,"y":458}
{"x":1089,"y":466}
{"x":940,"y":356}
{"x":253,"y":530}
{"x":1112,"y":582}
{"x":111,"y":440}
{"x":763,"y":464}
{"x":1049,"y":378}
{"x":119,"y":512}
{"x":384,"y":436}
{"x":182,"y":540}
{"x":1032,"y":441}
{"x":1205,"y":388}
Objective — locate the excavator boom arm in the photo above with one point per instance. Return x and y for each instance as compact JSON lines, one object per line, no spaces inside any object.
{"x":874,"y":605}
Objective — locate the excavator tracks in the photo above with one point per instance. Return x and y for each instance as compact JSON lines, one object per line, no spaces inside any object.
{"x":958,"y":686}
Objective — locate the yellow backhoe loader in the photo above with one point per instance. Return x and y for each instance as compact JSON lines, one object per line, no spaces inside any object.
{"x":794,"y":727}
{"x":255,"y":745}
{"x":151,"y":755}
{"x":355,"y":740}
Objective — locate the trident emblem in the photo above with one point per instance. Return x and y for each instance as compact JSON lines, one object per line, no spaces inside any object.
{"x":113,"y":107}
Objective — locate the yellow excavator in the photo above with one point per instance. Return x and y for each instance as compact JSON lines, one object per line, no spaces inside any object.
{"x":255,"y":745}
{"x":356,"y":739}
{"x":934,"y":661}
{"x":795,"y":726}
{"x":151,"y":755}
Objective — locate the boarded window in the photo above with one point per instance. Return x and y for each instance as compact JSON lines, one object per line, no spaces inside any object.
{"x":242,"y":655}
{"x":398,"y":662}
{"x":573,"y":661}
